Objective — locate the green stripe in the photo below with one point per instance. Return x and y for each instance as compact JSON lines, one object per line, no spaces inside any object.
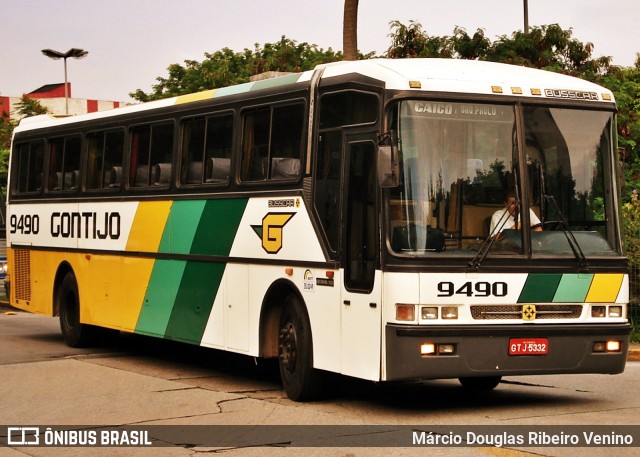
{"x":206,"y":227}
{"x":181,"y":226}
{"x":275,"y":82}
{"x":218,"y":225}
{"x":180,"y":294}
{"x":193,"y":303}
{"x":233,"y":90}
{"x":573,"y":288}
{"x":539,"y":288}
{"x":161,"y":294}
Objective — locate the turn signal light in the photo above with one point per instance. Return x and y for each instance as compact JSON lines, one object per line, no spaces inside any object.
{"x":405,"y":312}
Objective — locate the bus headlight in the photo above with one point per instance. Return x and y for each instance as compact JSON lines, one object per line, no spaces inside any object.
{"x":615,"y":311}
{"x":607,"y":346}
{"x":450,"y":312}
{"x":429,"y":312}
{"x":427,"y":349}
{"x":598,"y":311}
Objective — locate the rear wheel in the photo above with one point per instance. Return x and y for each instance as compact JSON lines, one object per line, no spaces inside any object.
{"x":75,"y":334}
{"x":300,"y":380}
{"x":480,"y":384}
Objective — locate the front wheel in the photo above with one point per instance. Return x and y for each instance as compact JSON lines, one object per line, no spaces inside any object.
{"x":300,"y":380}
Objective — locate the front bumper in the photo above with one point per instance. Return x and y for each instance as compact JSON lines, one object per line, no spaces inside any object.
{"x":484,"y":350}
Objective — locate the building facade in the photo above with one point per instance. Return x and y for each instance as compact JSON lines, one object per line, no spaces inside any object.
{"x":52,"y":97}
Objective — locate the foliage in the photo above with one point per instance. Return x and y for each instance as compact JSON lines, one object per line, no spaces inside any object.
{"x":226,"y":67}
{"x":631,"y":221}
{"x":6,"y":127}
{"x":27,"y":107}
{"x":625,"y":84}
{"x":547,"y":47}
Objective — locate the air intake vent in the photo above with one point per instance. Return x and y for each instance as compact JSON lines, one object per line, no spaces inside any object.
{"x":21,"y":274}
{"x":491,"y":312}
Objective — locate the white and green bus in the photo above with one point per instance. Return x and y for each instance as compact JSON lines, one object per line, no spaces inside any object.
{"x":339,"y":220}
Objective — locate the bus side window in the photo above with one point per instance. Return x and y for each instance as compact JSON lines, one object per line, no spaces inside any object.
{"x":30,"y":161}
{"x":287,"y":125}
{"x":64,"y":164}
{"x":255,"y":147}
{"x":151,"y":155}
{"x":272,"y":143}
{"x":206,"y":150}
{"x":104,"y":160}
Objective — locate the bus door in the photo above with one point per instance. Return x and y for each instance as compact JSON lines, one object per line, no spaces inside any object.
{"x":361,"y":292}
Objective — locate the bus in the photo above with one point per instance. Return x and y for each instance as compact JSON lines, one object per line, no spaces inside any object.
{"x":337,"y":220}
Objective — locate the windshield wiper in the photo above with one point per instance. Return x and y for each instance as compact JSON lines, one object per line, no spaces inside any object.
{"x":573,"y":243}
{"x":488,"y":243}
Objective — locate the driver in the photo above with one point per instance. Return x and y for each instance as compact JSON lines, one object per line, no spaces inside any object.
{"x":508,"y":217}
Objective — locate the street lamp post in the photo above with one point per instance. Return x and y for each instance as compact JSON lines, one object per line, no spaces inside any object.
{"x":73,"y":52}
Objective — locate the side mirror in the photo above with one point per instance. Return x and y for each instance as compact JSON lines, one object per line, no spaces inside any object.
{"x":388,"y":166}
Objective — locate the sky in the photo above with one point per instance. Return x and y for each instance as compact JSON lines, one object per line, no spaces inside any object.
{"x":132,"y":42}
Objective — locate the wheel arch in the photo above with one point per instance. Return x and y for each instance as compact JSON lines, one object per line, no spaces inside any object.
{"x":63,"y":269}
{"x":270,"y":315}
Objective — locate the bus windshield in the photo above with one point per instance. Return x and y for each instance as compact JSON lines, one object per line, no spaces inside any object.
{"x":465,"y":183}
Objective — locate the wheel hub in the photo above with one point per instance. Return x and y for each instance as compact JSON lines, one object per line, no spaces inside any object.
{"x":288,"y":346}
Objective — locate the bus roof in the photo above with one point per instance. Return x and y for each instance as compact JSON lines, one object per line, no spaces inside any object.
{"x":430,"y":75}
{"x":473,"y":77}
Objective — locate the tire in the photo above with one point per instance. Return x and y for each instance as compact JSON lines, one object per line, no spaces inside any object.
{"x":75,"y":334}
{"x":480,"y":384}
{"x":300,"y":380}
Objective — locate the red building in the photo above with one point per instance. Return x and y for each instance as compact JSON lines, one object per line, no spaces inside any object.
{"x":52,"y":97}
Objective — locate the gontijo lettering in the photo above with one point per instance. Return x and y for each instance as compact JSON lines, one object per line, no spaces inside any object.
{"x":90,"y":225}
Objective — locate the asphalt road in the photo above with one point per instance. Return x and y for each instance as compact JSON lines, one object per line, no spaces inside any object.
{"x":144,"y":382}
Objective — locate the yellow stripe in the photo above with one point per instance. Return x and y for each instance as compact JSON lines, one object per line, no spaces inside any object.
{"x":137,"y":273}
{"x":604,"y":288}
{"x":205,"y":95}
{"x":148,"y":226}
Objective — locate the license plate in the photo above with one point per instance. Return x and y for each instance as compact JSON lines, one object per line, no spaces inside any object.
{"x":528,"y":346}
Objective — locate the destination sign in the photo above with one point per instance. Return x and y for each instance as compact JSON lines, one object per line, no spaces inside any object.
{"x":460,"y":111}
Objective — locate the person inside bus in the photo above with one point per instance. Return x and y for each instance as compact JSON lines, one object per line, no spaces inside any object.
{"x":509,"y":217}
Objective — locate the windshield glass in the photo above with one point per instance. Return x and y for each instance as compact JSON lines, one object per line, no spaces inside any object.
{"x":569,"y":166}
{"x":460,"y":186}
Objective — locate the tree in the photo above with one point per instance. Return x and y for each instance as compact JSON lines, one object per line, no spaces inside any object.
{"x":551,"y":48}
{"x":350,"y":30}
{"x":25,"y":107}
{"x":226,"y":67}
{"x":28,"y":107}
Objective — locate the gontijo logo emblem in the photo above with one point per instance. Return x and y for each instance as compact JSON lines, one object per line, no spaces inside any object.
{"x":271,"y":230}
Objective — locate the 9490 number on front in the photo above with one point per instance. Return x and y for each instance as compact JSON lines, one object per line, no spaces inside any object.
{"x":473,"y":289}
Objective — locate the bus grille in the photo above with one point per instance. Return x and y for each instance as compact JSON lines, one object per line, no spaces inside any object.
{"x":21,"y":274}
{"x":485,"y":312}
